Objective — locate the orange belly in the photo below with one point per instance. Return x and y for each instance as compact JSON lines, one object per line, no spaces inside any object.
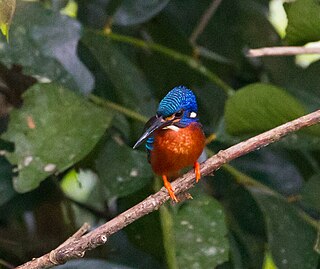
{"x":174,"y":150}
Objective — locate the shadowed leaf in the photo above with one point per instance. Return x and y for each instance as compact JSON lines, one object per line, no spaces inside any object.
{"x":131,"y":86}
{"x":310,"y":192}
{"x":290,"y":238}
{"x":6,"y":190}
{"x":200,"y":233}
{"x":45,"y":44}
{"x":49,"y":134}
{"x":138,"y":11}
{"x":122,"y":169}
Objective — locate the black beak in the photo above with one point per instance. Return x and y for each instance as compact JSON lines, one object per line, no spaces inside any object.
{"x":153,"y":124}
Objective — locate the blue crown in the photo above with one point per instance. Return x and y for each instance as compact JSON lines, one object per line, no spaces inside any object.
{"x":178,"y":98}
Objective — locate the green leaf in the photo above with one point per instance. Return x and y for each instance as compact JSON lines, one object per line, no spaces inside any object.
{"x":290,"y":238}
{"x":302,"y":83}
{"x":45,"y":44}
{"x":200,"y":233}
{"x":4,"y":27}
{"x":268,"y":262}
{"x":311,"y":192}
{"x":79,"y":186}
{"x":259,"y":107}
{"x":84,"y":187}
{"x":138,"y":11}
{"x":91,"y":263}
{"x":54,"y":129}
{"x":7,"y":8}
{"x":131,"y":86}
{"x":71,"y":9}
{"x":122,"y":169}
{"x":303,"y":21}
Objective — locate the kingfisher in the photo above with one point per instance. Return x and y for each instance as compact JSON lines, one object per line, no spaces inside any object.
{"x":174,"y":136}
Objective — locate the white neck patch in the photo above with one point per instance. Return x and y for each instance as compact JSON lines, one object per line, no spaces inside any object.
{"x":172,"y":127}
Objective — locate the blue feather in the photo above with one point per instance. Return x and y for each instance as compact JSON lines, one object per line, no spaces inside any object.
{"x":149,"y":143}
{"x":149,"y":146}
{"x":178,"y":98}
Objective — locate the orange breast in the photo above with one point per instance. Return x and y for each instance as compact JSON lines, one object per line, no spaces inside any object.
{"x":174,"y":150}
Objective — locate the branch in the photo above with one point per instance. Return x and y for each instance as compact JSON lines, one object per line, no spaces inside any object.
{"x":282,"y":51}
{"x":78,"y":244}
{"x":204,"y":21}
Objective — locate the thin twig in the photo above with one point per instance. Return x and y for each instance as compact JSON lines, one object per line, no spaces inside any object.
{"x":282,"y":51}
{"x":6,"y":264}
{"x":177,"y":56}
{"x":116,"y":107}
{"x":204,"y":21}
{"x":77,"y":247}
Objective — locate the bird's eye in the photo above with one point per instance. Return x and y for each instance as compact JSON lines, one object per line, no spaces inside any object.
{"x":178,"y":114}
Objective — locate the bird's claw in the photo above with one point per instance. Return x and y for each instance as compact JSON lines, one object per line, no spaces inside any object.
{"x":167,"y":185}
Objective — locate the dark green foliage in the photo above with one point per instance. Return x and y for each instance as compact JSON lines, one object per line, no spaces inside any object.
{"x":66,"y":153}
{"x":121,"y":170}
{"x":259,"y":107}
{"x":6,"y":189}
{"x":195,"y":223}
{"x":40,"y":133}
{"x":304,"y":21}
{"x":287,"y":232}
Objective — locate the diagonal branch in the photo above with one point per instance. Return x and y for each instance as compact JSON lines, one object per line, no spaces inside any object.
{"x":78,"y":244}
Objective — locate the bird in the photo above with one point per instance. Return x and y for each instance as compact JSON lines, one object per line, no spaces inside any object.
{"x":174,"y":137}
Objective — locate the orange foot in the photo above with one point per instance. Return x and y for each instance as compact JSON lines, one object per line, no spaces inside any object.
{"x":167,"y":185}
{"x":197,"y":171}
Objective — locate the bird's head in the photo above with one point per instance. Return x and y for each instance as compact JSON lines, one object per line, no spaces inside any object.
{"x":176,"y":110}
